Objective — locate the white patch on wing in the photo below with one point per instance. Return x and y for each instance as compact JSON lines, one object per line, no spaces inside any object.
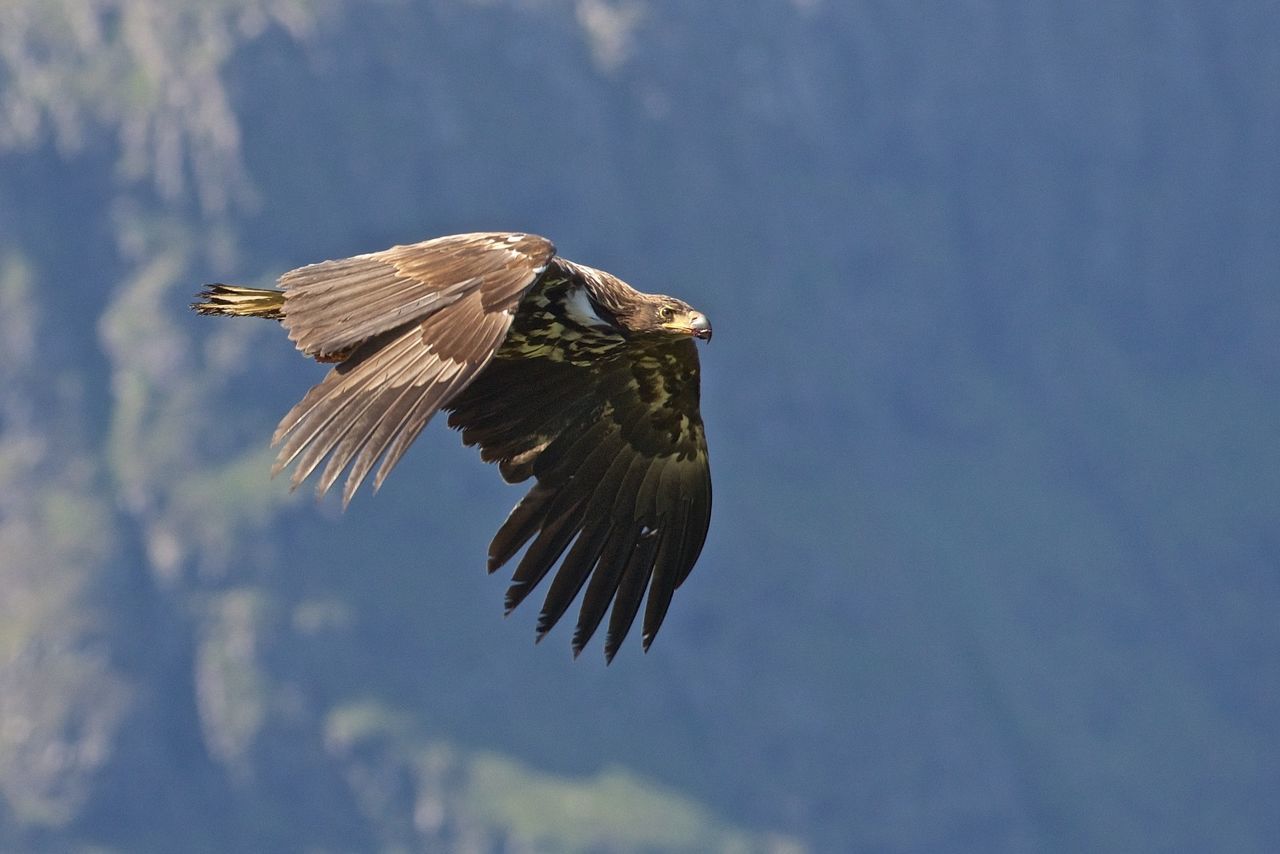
{"x":578,"y":306}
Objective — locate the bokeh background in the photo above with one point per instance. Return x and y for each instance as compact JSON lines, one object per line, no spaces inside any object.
{"x":992,"y":402}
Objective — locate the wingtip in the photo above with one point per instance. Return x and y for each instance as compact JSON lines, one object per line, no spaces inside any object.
{"x":611,"y":646}
{"x":581,"y":638}
{"x":349,"y":490}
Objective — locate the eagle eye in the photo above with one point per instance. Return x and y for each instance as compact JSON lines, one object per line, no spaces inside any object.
{"x":666,"y":312}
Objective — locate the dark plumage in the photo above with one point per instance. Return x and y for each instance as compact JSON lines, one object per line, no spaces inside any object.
{"x":556,"y":371}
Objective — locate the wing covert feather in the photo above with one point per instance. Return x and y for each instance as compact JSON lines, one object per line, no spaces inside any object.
{"x":335,"y":305}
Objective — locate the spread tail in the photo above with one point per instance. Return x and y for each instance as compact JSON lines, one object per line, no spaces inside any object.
{"x":235,"y":301}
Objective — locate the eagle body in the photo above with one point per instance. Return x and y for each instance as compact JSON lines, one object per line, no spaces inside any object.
{"x":559,"y":373}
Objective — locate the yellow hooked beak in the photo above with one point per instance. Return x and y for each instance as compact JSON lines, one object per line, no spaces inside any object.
{"x":694,"y":323}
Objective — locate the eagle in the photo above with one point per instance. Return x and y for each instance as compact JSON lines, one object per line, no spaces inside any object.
{"x":558,"y":372}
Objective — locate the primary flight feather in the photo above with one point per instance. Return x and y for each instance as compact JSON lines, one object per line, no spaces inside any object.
{"x":557,"y":371}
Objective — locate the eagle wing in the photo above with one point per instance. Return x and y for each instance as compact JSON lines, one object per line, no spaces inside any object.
{"x":619,"y":455}
{"x":411,"y":326}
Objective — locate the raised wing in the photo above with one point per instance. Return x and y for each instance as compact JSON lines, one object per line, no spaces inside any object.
{"x":620,"y":458}
{"x":413,"y":326}
{"x":333,"y":306}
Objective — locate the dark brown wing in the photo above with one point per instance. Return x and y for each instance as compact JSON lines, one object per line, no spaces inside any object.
{"x":416,"y":324}
{"x":620,"y":458}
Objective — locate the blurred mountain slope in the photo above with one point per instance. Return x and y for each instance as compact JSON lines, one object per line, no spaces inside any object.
{"x":991,"y":406}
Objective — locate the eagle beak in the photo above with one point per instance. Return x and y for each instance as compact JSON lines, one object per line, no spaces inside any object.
{"x":699,"y":326}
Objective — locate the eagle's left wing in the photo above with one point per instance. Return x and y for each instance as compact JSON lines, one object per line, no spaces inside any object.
{"x":411,"y":326}
{"x":620,"y":458}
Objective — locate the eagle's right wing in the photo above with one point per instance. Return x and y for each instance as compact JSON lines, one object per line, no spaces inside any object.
{"x":623,"y":495}
{"x":414,"y":325}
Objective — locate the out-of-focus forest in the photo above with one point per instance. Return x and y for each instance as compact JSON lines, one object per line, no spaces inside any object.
{"x":993,"y":404}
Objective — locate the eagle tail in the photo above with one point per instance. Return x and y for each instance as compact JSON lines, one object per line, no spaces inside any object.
{"x":235,"y":301}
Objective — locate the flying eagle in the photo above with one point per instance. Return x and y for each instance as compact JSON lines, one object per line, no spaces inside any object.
{"x":557,"y":371}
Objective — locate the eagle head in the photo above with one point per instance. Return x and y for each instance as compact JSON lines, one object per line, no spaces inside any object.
{"x":613,"y":302}
{"x":669,"y":316}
